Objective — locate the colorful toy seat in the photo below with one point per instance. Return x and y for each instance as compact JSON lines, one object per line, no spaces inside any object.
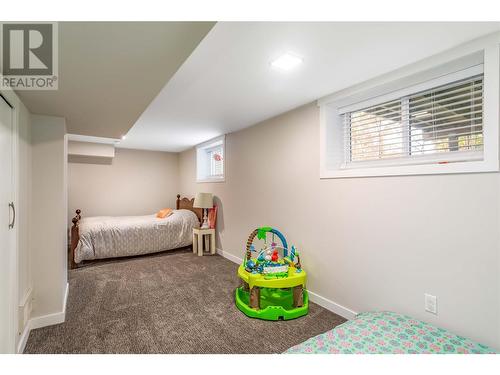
{"x":272,"y":288}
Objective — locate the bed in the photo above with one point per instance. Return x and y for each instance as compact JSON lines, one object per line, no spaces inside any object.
{"x":105,"y":237}
{"x":388,"y":332}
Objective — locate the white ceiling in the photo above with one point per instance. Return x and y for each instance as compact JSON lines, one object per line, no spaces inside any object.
{"x":227,"y":83}
{"x":110,"y":71}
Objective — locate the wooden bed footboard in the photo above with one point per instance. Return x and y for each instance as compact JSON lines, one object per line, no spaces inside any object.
{"x":75,"y":237}
{"x":181,"y":204}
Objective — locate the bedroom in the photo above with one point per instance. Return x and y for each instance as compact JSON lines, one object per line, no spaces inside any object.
{"x":383,"y":178}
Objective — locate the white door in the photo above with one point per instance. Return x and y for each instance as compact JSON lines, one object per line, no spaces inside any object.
{"x":7,"y":238}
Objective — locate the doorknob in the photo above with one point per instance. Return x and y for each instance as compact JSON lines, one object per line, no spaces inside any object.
{"x":11,"y":205}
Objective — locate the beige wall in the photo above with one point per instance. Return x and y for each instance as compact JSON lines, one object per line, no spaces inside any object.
{"x":48,"y":214}
{"x":135,"y":183}
{"x":367,"y":243}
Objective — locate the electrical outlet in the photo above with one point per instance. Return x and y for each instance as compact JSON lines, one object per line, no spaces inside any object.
{"x":430,"y":303}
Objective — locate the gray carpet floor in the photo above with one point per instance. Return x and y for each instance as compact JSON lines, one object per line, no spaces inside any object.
{"x":174,"y":302}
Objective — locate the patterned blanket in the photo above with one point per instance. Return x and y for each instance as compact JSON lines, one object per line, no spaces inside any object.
{"x":388,"y":332}
{"x":109,"y":237}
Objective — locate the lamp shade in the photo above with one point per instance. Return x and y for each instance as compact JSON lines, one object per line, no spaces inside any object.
{"x":203,"y":200}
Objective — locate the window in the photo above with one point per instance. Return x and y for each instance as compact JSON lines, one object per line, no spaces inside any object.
{"x":210,"y":160}
{"x":216,"y":155}
{"x":445,"y":122}
{"x":440,"y":118}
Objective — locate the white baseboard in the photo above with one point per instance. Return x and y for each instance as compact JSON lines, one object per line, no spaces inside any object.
{"x":65,"y":302}
{"x":314,"y":297}
{"x":23,"y":339}
{"x":43,"y":321}
{"x":332,"y":306}
{"x":47,"y":320}
{"x":51,"y":319}
{"x":231,"y":257}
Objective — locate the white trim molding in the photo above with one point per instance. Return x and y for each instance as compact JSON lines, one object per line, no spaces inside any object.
{"x":43,"y":321}
{"x":23,"y":339}
{"x":229,"y":256}
{"x":332,"y":306}
{"x":24,"y":314}
{"x":51,"y":319}
{"x":314,"y":297}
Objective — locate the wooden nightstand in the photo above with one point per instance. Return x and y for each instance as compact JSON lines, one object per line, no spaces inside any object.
{"x":198,"y":235}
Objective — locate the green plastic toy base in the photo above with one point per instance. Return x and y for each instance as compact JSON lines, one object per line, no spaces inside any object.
{"x":276,"y":304}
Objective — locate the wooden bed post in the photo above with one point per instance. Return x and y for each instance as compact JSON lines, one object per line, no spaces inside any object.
{"x":178,"y":201}
{"x":75,"y":237}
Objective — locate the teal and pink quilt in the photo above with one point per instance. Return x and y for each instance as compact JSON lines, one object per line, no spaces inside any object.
{"x":388,"y":332}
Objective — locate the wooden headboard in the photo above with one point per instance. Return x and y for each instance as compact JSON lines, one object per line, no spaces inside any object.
{"x":187,"y":204}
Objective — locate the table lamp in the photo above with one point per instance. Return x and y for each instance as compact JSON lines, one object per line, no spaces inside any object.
{"x":204,"y":200}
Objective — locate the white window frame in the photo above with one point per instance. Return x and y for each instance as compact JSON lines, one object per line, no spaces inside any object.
{"x":203,"y":163}
{"x":419,"y":77}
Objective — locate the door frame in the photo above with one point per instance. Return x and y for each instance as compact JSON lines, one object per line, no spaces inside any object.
{"x":12,"y":100}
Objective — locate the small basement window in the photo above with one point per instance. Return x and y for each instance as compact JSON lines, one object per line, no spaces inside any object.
{"x":210,"y":160}
{"x":441,"y":120}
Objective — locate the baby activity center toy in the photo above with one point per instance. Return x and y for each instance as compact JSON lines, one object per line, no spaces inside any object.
{"x":273,"y":281}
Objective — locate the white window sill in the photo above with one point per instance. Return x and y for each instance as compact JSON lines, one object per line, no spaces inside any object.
{"x":214,"y":179}
{"x":480,"y":166}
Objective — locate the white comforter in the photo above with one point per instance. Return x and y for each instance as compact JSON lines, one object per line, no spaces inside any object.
{"x":108,"y":237}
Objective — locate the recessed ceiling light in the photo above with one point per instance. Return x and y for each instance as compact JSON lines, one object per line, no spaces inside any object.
{"x":286,"y":62}
{"x":124,"y":136}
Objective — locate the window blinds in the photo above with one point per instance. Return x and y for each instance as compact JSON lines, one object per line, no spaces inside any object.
{"x":216,"y":156}
{"x":440,"y":121}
